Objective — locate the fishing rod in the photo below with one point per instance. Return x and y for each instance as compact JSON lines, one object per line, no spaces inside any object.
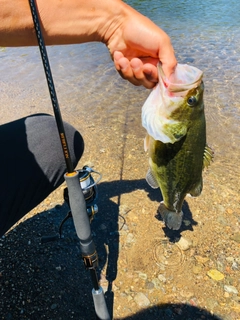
{"x":77,"y":201}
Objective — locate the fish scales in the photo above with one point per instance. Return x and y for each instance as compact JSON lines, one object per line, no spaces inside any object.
{"x":176,"y":166}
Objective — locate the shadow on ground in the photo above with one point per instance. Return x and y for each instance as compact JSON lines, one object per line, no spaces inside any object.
{"x":49,"y":281}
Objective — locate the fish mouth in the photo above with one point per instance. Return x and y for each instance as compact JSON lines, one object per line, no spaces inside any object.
{"x":172,"y":219}
{"x":182,"y":80}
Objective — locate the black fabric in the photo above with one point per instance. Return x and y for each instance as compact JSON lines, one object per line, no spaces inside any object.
{"x":32,"y":164}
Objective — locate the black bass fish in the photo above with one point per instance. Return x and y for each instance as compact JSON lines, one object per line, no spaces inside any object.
{"x":174,"y":118}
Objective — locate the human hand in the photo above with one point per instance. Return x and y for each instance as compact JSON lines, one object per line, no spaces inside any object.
{"x":137,"y":45}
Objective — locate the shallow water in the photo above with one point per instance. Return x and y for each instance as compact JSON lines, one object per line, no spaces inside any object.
{"x":90,"y":92}
{"x":107,"y":110}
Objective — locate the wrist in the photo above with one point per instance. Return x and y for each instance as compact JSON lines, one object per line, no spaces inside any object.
{"x":71,"y":21}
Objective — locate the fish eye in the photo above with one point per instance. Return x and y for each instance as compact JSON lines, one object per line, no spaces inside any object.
{"x":191,"y":101}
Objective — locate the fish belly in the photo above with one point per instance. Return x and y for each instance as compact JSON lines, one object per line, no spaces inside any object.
{"x":178,"y":170}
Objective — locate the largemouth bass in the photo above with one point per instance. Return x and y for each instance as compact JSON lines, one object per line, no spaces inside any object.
{"x":174,"y":118}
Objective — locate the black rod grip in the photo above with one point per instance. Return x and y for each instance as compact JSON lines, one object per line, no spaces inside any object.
{"x":78,"y":207}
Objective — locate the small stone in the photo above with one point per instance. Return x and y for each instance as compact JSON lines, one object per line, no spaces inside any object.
{"x":230,"y":259}
{"x":184,"y":244}
{"x":187,"y":222}
{"x":157,"y":284}
{"x":230,"y":289}
{"x":130,"y":238}
{"x":149,"y":285}
{"x":211,"y":303}
{"x":162,"y":278}
{"x":236,"y":237}
{"x":141,"y":300}
{"x":235,"y":265}
{"x":142,"y":276}
{"x":201,"y":259}
{"x":215,"y":275}
{"x":197,"y":269}
{"x":53,"y":306}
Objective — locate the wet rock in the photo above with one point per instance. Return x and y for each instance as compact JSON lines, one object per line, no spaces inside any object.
{"x":157,"y":284}
{"x":230,"y":289}
{"x":236,"y":237}
{"x":141,"y":300}
{"x":149,"y":285}
{"x":197,"y":269}
{"x":201,"y":259}
{"x":142,"y":276}
{"x":211,"y":303}
{"x":162,"y":278}
{"x":130,"y":238}
{"x":215,"y":275}
{"x":184,"y":244}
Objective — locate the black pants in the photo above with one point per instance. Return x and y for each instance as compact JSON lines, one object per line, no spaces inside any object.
{"x":32,"y":164}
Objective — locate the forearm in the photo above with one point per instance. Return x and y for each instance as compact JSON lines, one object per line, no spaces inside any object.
{"x":63,"y":21}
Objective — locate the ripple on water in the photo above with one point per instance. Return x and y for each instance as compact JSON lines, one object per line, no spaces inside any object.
{"x":168,"y":255}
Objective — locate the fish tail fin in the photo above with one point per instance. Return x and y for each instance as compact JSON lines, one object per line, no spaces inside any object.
{"x":172,"y":219}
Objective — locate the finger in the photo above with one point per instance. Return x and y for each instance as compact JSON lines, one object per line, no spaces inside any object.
{"x":151,"y":72}
{"x":133,"y":71}
{"x":117,"y":55}
{"x":145,"y":75}
{"x":168,"y":59}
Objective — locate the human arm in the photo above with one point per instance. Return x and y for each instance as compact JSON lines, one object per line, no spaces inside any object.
{"x":135,"y":43}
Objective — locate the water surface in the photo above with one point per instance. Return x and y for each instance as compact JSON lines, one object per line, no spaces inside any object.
{"x":204,"y":34}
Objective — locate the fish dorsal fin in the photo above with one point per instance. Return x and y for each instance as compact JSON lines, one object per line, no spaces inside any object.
{"x":207,"y":156}
{"x":151,"y":180}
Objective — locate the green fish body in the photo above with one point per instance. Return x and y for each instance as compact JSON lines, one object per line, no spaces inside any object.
{"x":176,"y":165}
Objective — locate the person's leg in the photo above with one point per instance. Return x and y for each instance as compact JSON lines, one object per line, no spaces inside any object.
{"x":32,"y":164}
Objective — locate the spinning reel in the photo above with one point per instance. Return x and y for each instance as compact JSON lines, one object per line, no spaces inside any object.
{"x":90,"y":192}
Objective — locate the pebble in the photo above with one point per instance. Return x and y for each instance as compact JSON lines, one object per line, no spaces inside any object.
{"x":230,"y":289}
{"x":130,"y":238}
{"x":142,"y":276}
{"x":162,"y":278}
{"x":157,"y":284}
{"x":53,"y":306}
{"x":215,"y":275}
{"x":235,"y":265}
{"x":149,"y":285}
{"x":197,"y":269}
{"x":236,"y":237}
{"x":201,"y":259}
{"x":141,"y":300}
{"x":211,"y":303}
{"x":184,"y":244}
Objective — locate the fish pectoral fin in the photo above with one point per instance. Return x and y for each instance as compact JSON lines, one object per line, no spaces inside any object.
{"x":208,"y":156}
{"x":146,"y":142}
{"x":172,"y":219}
{"x":151,"y":180}
{"x":197,"y":189}
{"x":175,"y":131}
